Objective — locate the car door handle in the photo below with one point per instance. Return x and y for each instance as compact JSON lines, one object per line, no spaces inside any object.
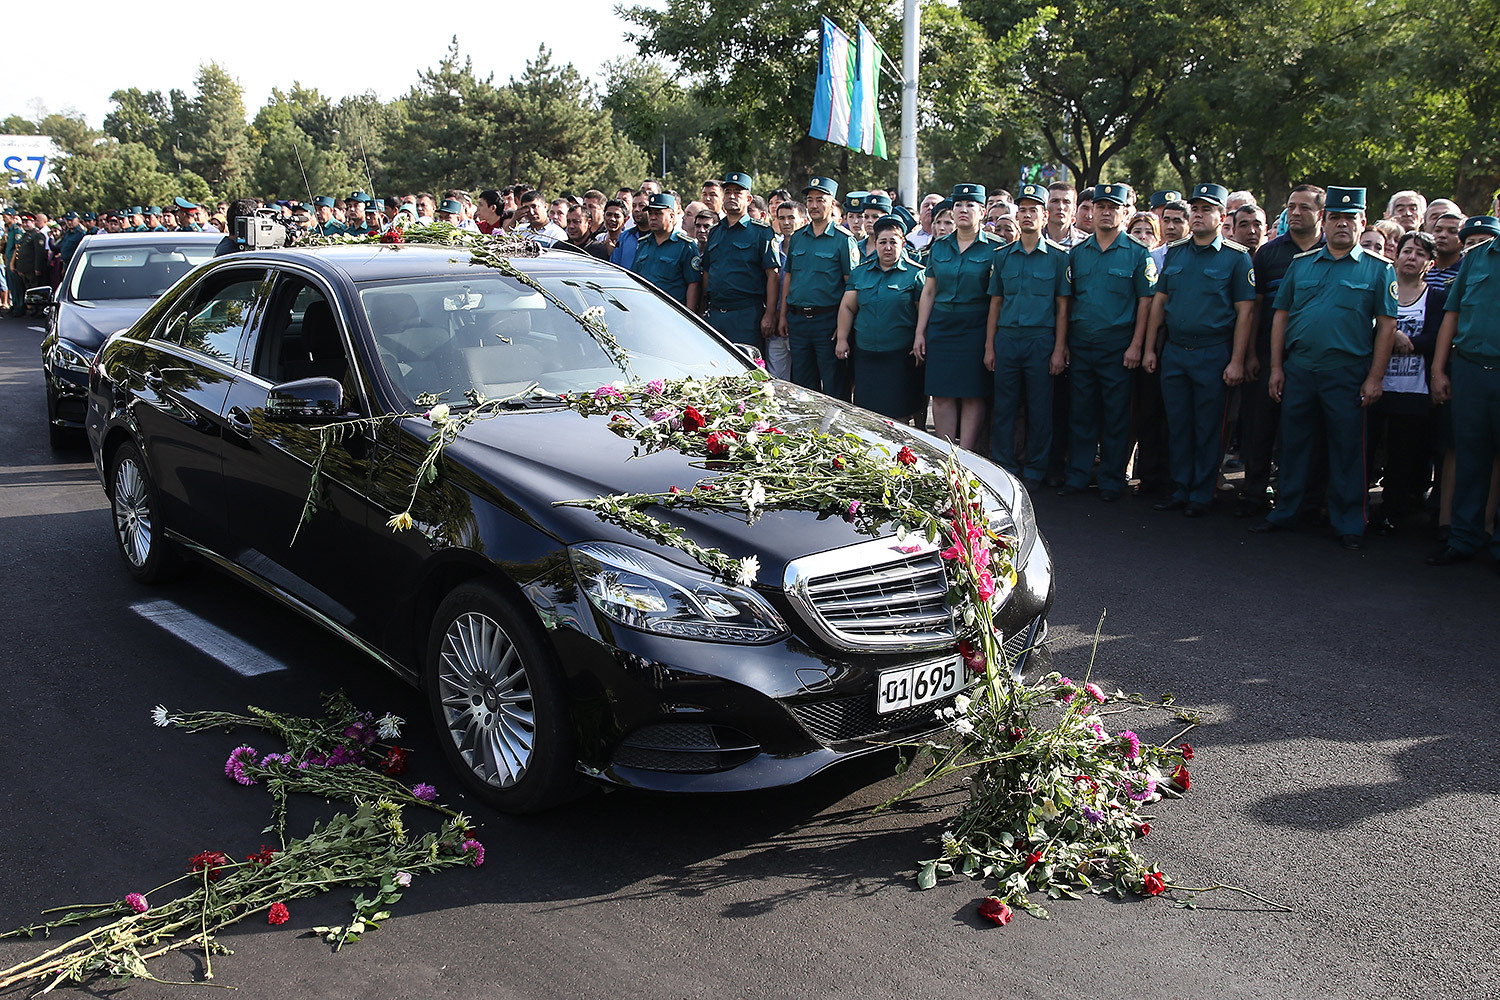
{"x":153,"y":380}
{"x":239,"y":422}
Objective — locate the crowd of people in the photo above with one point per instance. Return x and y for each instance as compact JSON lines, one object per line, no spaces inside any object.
{"x":1086,"y":342}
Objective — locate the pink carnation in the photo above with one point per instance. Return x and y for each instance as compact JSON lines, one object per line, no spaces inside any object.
{"x":1093,"y":690}
{"x":1131,"y":744}
{"x":473,"y":845}
{"x":137,"y":902}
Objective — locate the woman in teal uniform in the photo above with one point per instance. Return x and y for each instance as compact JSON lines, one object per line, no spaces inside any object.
{"x":878,"y":317}
{"x":951,"y":320}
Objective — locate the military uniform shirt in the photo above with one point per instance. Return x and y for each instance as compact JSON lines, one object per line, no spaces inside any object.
{"x":1107,"y":288}
{"x":671,"y":265}
{"x":887,"y":316}
{"x":736,"y":260}
{"x":191,"y":227}
{"x":1029,"y":285}
{"x":1475,"y":296}
{"x":330,"y":228}
{"x":1203,"y":283}
{"x":1332,"y":305}
{"x":963,"y":277}
{"x":819,"y":266}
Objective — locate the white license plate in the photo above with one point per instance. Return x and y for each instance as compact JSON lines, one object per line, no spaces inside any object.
{"x":904,"y":687}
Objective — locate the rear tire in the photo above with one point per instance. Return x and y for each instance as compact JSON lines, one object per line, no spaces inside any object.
{"x":135,"y":508}
{"x":498,"y":703}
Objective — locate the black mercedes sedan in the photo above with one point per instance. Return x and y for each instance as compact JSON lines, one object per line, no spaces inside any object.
{"x":550,"y":643}
{"x":111,"y":280}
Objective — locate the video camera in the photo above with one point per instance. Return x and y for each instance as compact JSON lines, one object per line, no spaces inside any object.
{"x":264,"y":230}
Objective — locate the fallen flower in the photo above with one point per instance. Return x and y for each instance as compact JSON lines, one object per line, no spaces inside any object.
{"x":424,"y":792}
{"x":278,"y":914}
{"x":995,"y":911}
{"x":234,"y":767}
{"x":210,"y":862}
{"x":1153,"y":884}
{"x":137,"y":902}
{"x":1094,"y":692}
{"x":473,"y":845}
{"x":1187,"y":751}
{"x":1181,"y":778}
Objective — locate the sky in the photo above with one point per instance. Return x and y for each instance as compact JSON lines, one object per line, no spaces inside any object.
{"x":584,"y":32}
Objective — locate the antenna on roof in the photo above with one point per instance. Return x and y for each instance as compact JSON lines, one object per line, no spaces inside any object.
{"x":304,"y":173}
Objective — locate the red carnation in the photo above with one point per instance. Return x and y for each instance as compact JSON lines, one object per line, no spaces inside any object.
{"x":1017,"y":734}
{"x":209,"y":861}
{"x":392,"y":235}
{"x":676,"y":490}
{"x":1153,"y":884}
{"x":1143,"y":829}
{"x":1034,"y":857}
{"x":1187,"y":751}
{"x":692,"y":420}
{"x":278,"y":915}
{"x":395,"y":761}
{"x":719,"y":442}
{"x":906,"y":456}
{"x":1183,"y":780}
{"x":775,"y":430}
{"x":262,"y":856}
{"x":995,"y":911}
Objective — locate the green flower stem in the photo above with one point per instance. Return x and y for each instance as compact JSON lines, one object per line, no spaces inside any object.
{"x":1232,"y":888}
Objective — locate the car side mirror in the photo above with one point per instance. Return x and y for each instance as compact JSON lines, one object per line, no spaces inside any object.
{"x":39,"y":296}
{"x":306,"y":401}
{"x":750,"y":351}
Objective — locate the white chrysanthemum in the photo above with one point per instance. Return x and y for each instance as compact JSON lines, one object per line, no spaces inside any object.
{"x":964,"y":726}
{"x":389,"y":726}
{"x":961,"y":704}
{"x":438,"y":414}
{"x":749,"y":567}
{"x":755,"y":496}
{"x":160,"y":717}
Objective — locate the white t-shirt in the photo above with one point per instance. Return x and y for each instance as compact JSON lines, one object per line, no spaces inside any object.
{"x":1408,"y":372}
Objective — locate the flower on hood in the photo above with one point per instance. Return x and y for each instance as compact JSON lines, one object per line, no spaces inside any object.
{"x":906,"y":456}
{"x":749,"y":567}
{"x":755,"y":496}
{"x":438,"y":414}
{"x":719,"y":442}
{"x":656,"y":386}
{"x":692,"y":420}
{"x":608,"y":392}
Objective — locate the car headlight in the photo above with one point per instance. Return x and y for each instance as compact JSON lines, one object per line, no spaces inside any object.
{"x":65,"y":355}
{"x":1014,"y":515}
{"x":647,"y":592}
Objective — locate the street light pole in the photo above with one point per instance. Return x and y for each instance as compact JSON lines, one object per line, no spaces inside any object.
{"x":907,"y":176}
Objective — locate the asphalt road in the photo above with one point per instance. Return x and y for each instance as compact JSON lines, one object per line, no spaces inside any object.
{"x":1351,"y":769}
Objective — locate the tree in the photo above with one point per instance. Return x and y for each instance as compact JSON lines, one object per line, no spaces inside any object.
{"x":210,"y":135}
{"x":139,"y":116}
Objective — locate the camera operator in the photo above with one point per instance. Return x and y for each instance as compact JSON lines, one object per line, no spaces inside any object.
{"x":245,"y":208}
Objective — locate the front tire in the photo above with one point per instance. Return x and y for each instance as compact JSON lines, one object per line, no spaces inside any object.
{"x":136,"y":510}
{"x":498,"y":703}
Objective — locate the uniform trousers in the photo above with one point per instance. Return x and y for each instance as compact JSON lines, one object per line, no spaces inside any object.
{"x":740,"y":324}
{"x":810,"y":340}
{"x":1332,"y":393}
{"x":1099,"y":418}
{"x":1022,"y":385}
{"x":1476,"y":441}
{"x":1194,"y":395}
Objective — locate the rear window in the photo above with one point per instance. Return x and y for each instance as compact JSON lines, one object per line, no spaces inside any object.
{"x":134,"y":272}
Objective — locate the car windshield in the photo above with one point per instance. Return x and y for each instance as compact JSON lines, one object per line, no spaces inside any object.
{"x":497,"y":335}
{"x":142,"y":271}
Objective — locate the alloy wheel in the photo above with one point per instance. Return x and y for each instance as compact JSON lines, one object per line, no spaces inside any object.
{"x":486,"y":699}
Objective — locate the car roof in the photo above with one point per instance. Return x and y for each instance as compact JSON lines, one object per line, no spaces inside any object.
{"x":382,"y":262}
{"x":106,"y":240}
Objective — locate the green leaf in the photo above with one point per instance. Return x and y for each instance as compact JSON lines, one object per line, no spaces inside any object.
{"x":927,"y":875}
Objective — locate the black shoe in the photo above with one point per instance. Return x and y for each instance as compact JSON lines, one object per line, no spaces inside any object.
{"x":1263,"y":527}
{"x":1352,"y":543}
{"x":1448,"y":556}
{"x":1109,"y":496}
{"x":1069,"y":491}
{"x":1195,"y":510}
{"x":1169,"y":504}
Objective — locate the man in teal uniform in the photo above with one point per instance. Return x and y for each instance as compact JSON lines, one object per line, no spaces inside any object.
{"x":1113,"y":279}
{"x":740,"y":270}
{"x":1470,"y":340}
{"x":323,"y":206}
{"x":819,"y":257}
{"x":1026,"y":342}
{"x":136,"y":219}
{"x":1206,"y":299}
{"x":73,"y":234}
{"x":666,"y":256}
{"x":355,"y":222}
{"x":153,"y":220}
{"x":185,"y":210}
{"x":1331,"y":341}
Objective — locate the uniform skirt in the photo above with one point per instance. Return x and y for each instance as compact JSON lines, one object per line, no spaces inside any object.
{"x":888,"y":382}
{"x":955,"y":354}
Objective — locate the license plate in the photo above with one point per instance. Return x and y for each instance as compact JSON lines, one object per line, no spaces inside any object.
{"x":905,"y":687}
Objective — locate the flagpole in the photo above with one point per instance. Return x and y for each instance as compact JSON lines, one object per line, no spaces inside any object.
{"x":907,"y":177}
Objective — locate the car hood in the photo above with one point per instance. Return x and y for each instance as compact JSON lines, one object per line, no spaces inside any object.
{"x":535,"y":458}
{"x":86,"y":324}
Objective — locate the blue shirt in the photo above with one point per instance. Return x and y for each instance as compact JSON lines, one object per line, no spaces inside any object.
{"x":736,"y":260}
{"x":1203,"y":285}
{"x":1029,"y":285}
{"x":1331,"y":305}
{"x":671,"y":265}
{"x":962,"y":276}
{"x":1107,"y":288}
{"x":624,"y":251}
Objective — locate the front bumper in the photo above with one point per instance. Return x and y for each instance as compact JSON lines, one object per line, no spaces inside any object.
{"x":678,"y":715}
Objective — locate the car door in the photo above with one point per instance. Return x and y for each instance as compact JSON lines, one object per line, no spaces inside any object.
{"x":179,"y":379}
{"x":319,"y":558}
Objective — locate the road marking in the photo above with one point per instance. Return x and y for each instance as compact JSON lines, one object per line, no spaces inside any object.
{"x":230,"y":650}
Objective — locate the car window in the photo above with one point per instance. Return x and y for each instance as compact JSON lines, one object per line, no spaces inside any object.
{"x":495,"y":335}
{"x":299,"y":337}
{"x":212,"y":317}
{"x":134,"y":272}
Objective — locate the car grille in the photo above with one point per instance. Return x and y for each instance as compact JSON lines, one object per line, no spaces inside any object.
{"x":840,"y":720}
{"x":685,"y":747}
{"x":872,"y":596}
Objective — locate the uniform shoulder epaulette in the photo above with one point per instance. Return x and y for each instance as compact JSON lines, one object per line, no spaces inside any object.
{"x":1178,"y":243}
{"x":841,"y":228}
{"x":1380,"y":257}
{"x":1137,"y":239}
{"x":1053,"y":243}
{"x":1231,"y":244}
{"x":758,"y":222}
{"x":1306,"y":253}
